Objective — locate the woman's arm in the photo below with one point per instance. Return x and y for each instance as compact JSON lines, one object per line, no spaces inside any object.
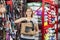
{"x":19,"y":20}
{"x":36,"y":28}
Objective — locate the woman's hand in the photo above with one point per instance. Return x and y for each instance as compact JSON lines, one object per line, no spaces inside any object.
{"x":17,"y":21}
{"x":36,"y":28}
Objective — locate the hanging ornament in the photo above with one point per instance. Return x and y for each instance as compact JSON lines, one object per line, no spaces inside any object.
{"x":45,"y":23}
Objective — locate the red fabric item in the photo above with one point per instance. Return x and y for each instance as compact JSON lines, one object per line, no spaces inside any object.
{"x":49,"y":1}
{"x":9,"y":3}
{"x":34,"y":0}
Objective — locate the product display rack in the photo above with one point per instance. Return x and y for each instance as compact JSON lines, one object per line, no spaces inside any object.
{"x":48,"y":26}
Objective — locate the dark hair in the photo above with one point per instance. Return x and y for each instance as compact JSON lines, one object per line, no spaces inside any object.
{"x":31,"y":11}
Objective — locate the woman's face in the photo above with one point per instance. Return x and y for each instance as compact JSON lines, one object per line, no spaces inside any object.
{"x":29,"y":12}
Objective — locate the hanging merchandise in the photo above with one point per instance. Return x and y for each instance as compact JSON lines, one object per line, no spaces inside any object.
{"x":12,"y":24}
{"x":55,"y":26}
{"x":1,"y":28}
{"x":39,"y":12}
{"x":35,"y":6}
{"x":7,"y":35}
{"x":45,"y":23}
{"x":49,"y":21}
{"x":53,"y":12}
{"x":8,"y":9}
{"x":53,"y":20}
{"x":8,"y":23}
{"x":9,"y":2}
{"x":52,"y":32}
{"x":8,"y":26}
{"x":52,"y":38}
{"x":46,"y":18}
{"x":39,"y":20}
{"x":53,"y":16}
{"x":46,"y":37}
{"x":13,"y":34}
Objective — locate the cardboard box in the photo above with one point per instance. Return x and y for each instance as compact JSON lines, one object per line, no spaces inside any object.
{"x":27,"y":25}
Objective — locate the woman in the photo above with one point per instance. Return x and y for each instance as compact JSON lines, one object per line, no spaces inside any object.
{"x":29,"y":17}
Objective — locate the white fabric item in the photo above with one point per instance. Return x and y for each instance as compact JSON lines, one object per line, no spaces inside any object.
{"x":11,"y":38}
{"x":46,"y":8}
{"x":59,"y":10}
{"x":58,"y":17}
{"x":27,"y":37}
{"x":31,"y":37}
{"x":35,"y":19}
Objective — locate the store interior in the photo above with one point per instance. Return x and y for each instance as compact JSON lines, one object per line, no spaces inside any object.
{"x":46,"y":14}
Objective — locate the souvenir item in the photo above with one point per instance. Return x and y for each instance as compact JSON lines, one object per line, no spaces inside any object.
{"x":7,"y":35}
{"x":45,"y":23}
